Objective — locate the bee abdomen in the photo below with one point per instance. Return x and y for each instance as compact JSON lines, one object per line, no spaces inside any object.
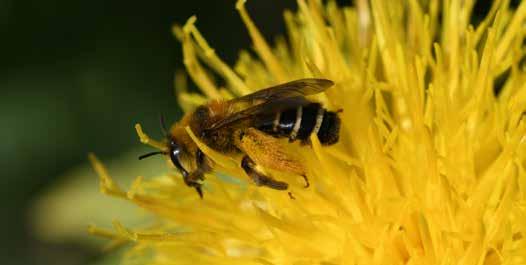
{"x":329,"y":132}
{"x":301,"y":122}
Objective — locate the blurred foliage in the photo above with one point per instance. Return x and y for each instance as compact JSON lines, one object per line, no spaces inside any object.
{"x":64,"y":211}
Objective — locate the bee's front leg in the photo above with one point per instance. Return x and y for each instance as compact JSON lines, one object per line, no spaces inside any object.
{"x":191,"y":180}
{"x":249,"y":166}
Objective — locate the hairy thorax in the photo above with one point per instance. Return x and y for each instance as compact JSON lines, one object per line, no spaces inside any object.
{"x":221,"y":139}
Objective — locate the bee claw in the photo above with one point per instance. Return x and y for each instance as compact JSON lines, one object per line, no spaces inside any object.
{"x":199,"y":191}
{"x":307,"y":184}
{"x":196,"y":185}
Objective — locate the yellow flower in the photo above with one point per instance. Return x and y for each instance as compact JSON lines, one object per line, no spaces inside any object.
{"x":430,"y":168}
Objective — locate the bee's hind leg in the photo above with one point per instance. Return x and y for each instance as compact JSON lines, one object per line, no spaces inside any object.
{"x":249,"y":166}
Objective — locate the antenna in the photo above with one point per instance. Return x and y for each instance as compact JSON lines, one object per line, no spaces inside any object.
{"x":163,"y":125}
{"x":151,"y":154}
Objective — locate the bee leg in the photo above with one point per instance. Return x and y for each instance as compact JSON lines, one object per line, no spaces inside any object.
{"x":191,"y":181}
{"x":199,"y":190}
{"x":261,"y":180}
{"x":203,"y":163}
{"x":307,"y":183}
{"x":266,"y":151}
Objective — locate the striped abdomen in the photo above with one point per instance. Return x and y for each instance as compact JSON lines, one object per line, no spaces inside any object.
{"x":299,"y":123}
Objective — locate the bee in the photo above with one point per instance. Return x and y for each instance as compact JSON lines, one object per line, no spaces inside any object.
{"x":250,"y":126}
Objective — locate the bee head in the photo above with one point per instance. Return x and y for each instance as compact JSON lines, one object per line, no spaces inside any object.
{"x":174,"y":150}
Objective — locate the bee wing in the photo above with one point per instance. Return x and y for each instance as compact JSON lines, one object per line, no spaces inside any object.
{"x":297,"y":88}
{"x":268,"y":107}
{"x":273,"y":99}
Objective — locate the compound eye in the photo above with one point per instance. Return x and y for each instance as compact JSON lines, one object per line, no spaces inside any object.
{"x":175,"y":156}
